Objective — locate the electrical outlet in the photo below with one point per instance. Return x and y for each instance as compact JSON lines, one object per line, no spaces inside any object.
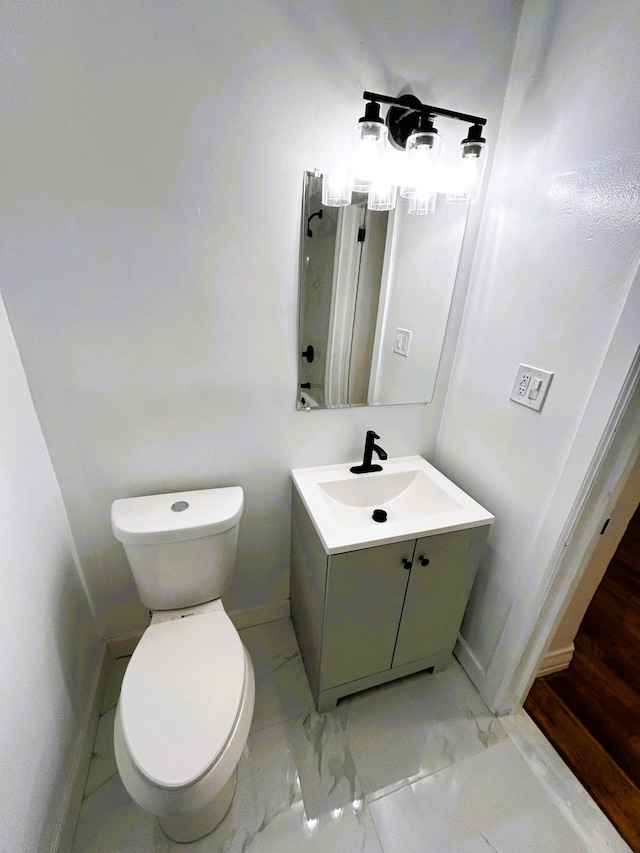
{"x":402,"y":341}
{"x":523,"y":381}
{"x":531,"y":386}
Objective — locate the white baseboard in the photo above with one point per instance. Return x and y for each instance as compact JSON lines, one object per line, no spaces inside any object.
{"x":469,"y":662}
{"x":120,"y":647}
{"x":259,"y":615}
{"x":72,"y":799}
{"x":556,"y":660}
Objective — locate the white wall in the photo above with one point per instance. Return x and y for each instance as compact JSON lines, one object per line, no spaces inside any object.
{"x":151,"y":190}
{"x":47,"y":635}
{"x":422,"y":270}
{"x":558,"y":250}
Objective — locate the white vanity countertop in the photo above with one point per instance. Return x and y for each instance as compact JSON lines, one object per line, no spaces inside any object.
{"x":418,"y":499}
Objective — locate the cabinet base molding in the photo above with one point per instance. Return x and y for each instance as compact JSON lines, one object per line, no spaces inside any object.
{"x":327,"y":699}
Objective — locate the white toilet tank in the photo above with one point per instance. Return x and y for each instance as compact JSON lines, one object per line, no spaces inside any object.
{"x":181,"y":546}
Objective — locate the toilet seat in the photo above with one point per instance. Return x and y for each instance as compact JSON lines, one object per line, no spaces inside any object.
{"x":181,"y":696}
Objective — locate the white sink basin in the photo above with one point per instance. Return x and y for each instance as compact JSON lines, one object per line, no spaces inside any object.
{"x":410,"y":491}
{"x":418,"y":501}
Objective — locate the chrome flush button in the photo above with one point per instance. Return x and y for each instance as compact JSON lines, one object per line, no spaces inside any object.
{"x":179,"y":506}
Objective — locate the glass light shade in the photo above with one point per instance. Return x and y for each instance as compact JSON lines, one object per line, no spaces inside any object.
{"x":368,"y":153}
{"x":336,"y":190}
{"x":382,"y":194}
{"x":421,"y":163}
{"x":466,"y":179}
{"x":421,"y":203}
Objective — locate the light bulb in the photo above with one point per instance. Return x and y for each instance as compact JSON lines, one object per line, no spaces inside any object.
{"x":421,"y":163}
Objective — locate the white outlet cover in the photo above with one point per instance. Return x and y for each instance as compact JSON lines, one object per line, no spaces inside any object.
{"x":402,"y":341}
{"x":531,"y":386}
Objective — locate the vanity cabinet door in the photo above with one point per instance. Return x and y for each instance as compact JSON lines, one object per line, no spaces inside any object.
{"x":439,"y":586}
{"x":363,"y":603}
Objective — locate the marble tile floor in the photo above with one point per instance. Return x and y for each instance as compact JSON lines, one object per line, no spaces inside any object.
{"x":416,"y":765}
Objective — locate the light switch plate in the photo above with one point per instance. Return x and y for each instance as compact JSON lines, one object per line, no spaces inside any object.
{"x":531,"y":386}
{"x":402,"y":342}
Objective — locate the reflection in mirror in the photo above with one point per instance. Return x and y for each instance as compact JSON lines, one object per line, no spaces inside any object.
{"x":375,"y":293}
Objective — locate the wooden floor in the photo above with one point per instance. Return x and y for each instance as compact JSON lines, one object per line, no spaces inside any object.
{"x":591,"y":711}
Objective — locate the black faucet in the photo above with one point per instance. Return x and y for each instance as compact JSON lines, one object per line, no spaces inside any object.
{"x":369,"y":448}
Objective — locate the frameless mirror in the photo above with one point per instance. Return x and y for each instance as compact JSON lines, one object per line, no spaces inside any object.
{"x":375,"y":292}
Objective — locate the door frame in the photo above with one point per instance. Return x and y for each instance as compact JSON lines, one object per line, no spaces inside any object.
{"x":623,"y":504}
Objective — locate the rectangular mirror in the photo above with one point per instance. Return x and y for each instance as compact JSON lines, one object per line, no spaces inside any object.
{"x":374,"y":296}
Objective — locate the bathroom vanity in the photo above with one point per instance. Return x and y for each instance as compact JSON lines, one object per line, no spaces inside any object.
{"x":373,"y":601}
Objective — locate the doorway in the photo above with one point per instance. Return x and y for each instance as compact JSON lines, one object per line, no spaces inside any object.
{"x":591,"y":711}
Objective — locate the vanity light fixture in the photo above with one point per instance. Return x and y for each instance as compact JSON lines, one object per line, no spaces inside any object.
{"x":409,"y":128}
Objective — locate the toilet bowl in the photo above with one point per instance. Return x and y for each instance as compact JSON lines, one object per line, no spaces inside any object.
{"x":186,"y":703}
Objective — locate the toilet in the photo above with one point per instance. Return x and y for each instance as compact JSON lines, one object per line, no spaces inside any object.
{"x":186,"y":703}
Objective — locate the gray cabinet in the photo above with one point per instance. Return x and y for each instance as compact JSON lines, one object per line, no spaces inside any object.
{"x":368,"y":616}
{"x":363,"y":605}
{"x":437,"y":594}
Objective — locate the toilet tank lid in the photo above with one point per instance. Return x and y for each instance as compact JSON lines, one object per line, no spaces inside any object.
{"x":177,"y":516}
